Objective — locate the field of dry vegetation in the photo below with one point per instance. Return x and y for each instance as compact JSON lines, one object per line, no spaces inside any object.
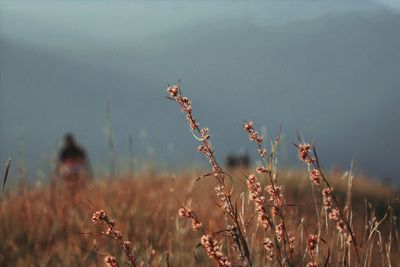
{"x":247,"y":217}
{"x":46,"y":226}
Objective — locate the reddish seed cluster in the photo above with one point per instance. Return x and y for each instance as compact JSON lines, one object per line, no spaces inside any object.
{"x":232,"y":234}
{"x":205,"y":133}
{"x":214,"y":250}
{"x":255,"y":189}
{"x":334,"y":214}
{"x":101,"y":216}
{"x":248,"y":126}
{"x":279,"y":232}
{"x":274,"y":191}
{"x":188,"y":213}
{"x":185,"y":103}
{"x":203,"y":149}
{"x":292,"y":245}
{"x":186,"y":107}
{"x":341,"y":226}
{"x":173,"y":90}
{"x":312,"y":242}
{"x":111,"y":231}
{"x":256,"y":195}
{"x":261,"y":169}
{"x":276,"y":196}
{"x":223,"y":197}
{"x":111,"y":261}
{"x":203,"y":136}
{"x":304,"y":151}
{"x":315,"y":176}
{"x":269,"y":247}
{"x":253,"y":135}
{"x":262,"y":152}
{"x":192,"y":123}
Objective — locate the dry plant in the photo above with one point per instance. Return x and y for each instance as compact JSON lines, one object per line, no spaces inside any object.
{"x":7,"y":166}
{"x":270,"y":208}
{"x":234,"y":230}
{"x":111,"y":231}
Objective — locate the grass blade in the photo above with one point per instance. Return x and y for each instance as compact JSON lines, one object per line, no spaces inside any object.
{"x":6,"y":172}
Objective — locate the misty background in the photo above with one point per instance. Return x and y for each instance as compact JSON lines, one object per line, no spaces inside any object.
{"x":328,"y":69}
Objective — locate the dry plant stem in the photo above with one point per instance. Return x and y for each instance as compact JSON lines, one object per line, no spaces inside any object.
{"x":269,"y":163}
{"x":396,"y":232}
{"x":101,"y":216}
{"x":389,"y":244}
{"x":317,"y":165}
{"x":221,"y":180}
{"x":119,"y":238}
{"x":110,"y":141}
{"x":176,"y":95}
{"x":7,"y":170}
{"x":282,"y":216}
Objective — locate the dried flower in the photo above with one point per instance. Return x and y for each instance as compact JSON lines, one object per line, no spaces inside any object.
{"x":269,"y":247}
{"x":349,"y":240}
{"x":327,"y":198}
{"x":292,"y":246}
{"x":214,"y":250}
{"x":304,"y":153}
{"x":312,"y":242}
{"x":225,"y":202}
{"x":334,"y":214}
{"x":341,"y":226}
{"x":253,"y":135}
{"x":261,"y":169}
{"x":173,"y":90}
{"x":248,"y":126}
{"x":256,"y":195}
{"x":111,"y":261}
{"x":276,"y":195}
{"x":188,"y":213}
{"x":205,"y":133}
{"x":279,"y":232}
{"x":262,"y":152}
{"x":315,"y":176}
{"x":99,"y":215}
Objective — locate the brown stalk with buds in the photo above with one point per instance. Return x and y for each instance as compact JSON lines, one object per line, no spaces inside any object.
{"x":100,"y":216}
{"x":276,"y":197}
{"x":309,"y":156}
{"x":222,"y":191}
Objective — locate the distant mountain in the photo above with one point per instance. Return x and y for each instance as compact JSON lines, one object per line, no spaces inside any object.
{"x":335,"y":79}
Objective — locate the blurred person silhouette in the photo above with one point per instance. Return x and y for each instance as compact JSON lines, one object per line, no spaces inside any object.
{"x":73,"y":166}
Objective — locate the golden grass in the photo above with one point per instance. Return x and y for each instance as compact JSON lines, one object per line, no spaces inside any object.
{"x":47,"y":226}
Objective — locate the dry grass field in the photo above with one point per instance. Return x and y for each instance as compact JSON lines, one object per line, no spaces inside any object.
{"x":47,"y":226}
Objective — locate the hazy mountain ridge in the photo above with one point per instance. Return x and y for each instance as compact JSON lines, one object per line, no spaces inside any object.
{"x":233,"y":71}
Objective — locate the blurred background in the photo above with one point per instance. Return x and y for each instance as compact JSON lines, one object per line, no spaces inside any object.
{"x":328,"y":69}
